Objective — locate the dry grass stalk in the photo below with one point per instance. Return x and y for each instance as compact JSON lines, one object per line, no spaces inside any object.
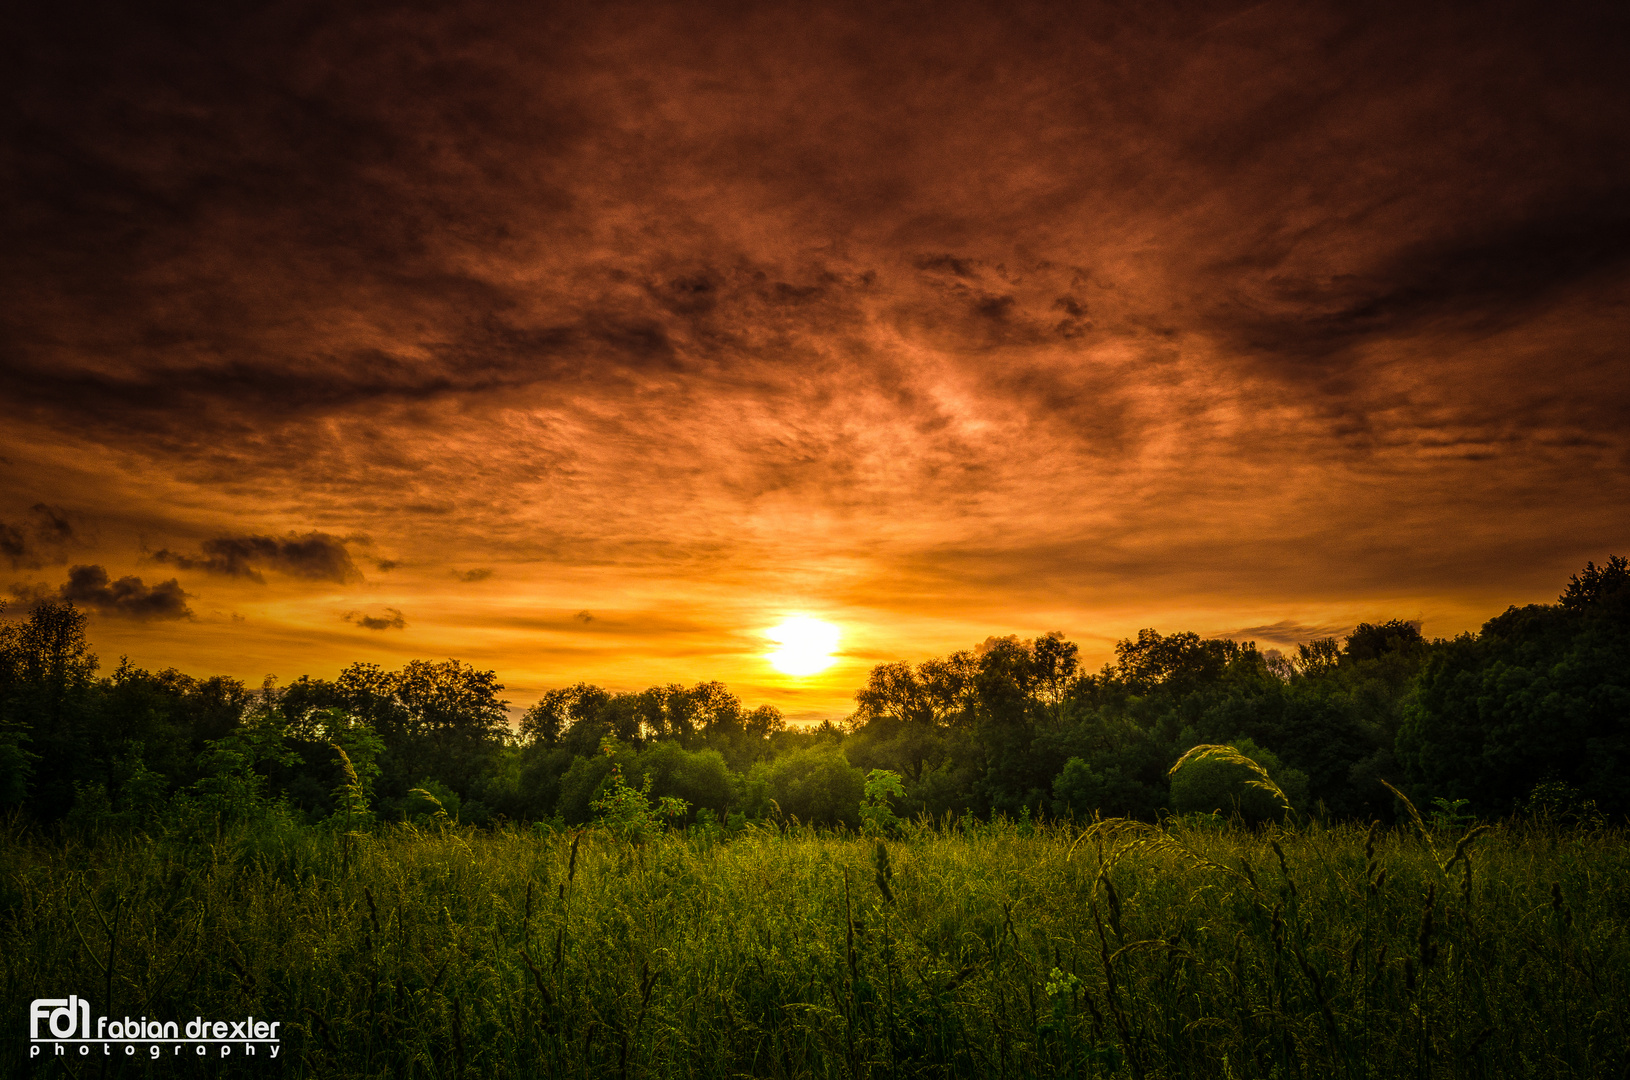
{"x":1415,"y":816}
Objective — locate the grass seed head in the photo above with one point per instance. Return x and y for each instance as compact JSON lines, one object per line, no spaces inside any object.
{"x":1231,"y":755}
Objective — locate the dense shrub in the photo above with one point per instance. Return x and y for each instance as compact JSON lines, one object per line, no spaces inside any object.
{"x":816,"y":786}
{"x":1213,"y":784}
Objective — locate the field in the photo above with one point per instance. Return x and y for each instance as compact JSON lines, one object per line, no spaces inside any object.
{"x":989,"y":951}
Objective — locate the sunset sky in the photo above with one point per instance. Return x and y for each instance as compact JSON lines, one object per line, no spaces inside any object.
{"x":590,"y":341}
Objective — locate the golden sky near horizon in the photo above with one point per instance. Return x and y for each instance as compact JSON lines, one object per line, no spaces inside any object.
{"x":591,"y":343}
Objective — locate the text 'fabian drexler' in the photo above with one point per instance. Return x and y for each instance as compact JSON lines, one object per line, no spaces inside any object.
{"x":63,"y":1026}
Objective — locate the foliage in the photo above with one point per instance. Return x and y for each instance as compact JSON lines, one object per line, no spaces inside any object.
{"x":16,"y":764}
{"x":232,"y":787}
{"x":1542,"y":693}
{"x":1230,"y":780}
{"x":1598,"y":586}
{"x":1449,"y":815}
{"x":1010,"y":728}
{"x":1553,"y":802}
{"x":699,"y":778}
{"x":1080,"y":789}
{"x":877,"y":817}
{"x":816,"y":785}
{"x":432,"y":802}
{"x":627,"y":812}
{"x":559,"y":710}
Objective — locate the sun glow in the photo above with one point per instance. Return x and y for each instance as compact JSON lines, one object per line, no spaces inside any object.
{"x":806,"y":645}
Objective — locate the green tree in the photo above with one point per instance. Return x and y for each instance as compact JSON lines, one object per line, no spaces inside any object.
{"x":232,"y":786}
{"x":16,"y":763}
{"x":46,"y":700}
{"x":627,"y":811}
{"x":444,"y":719}
{"x":1082,"y":788}
{"x":579,"y":785}
{"x":700,"y":778}
{"x":894,"y":692}
{"x":1055,"y":662}
{"x":1373,"y":641}
{"x":1542,"y":693}
{"x":1178,"y":662}
{"x":559,"y":710}
{"x":816,"y":785}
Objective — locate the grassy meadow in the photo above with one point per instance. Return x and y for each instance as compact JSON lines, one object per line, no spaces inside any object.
{"x":996,"y":950}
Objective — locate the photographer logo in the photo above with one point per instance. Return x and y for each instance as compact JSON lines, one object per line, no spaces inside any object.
{"x":62,"y":1027}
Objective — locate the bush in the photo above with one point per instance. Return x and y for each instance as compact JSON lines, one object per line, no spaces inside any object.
{"x":816,"y":785}
{"x":627,"y":811}
{"x":1212,"y":784}
{"x":431,"y":801}
{"x":1081,"y":789}
{"x":578,"y":786}
{"x":877,"y":816}
{"x":696,"y":777}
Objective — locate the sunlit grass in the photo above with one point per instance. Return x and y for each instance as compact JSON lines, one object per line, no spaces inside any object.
{"x":1188,"y":952}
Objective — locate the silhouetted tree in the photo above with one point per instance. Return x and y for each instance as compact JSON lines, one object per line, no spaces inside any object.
{"x":558,"y":710}
{"x":46,"y":700}
{"x":1541,"y":694}
{"x":1371,"y":642}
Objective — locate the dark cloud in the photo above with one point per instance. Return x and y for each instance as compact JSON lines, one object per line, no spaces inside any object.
{"x":385,"y":566}
{"x":478,"y":574}
{"x":128,"y":598}
{"x":583,"y":617}
{"x":51,"y":523}
{"x":42,"y":539}
{"x":30,"y":594}
{"x":314,"y":556}
{"x":391,"y":620}
{"x":1481,"y":281}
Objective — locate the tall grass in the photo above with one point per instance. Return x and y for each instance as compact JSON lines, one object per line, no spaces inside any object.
{"x":992,"y":951}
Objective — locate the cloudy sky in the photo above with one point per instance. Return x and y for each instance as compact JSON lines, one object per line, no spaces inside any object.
{"x":587,"y":341}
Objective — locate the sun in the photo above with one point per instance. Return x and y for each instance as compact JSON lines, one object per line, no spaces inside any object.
{"x":806,"y":645}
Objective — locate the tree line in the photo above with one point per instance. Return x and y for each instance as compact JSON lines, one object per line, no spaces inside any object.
{"x":1531,"y":710}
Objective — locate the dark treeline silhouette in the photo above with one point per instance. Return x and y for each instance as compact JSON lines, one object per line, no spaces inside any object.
{"x":1534,"y":708}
